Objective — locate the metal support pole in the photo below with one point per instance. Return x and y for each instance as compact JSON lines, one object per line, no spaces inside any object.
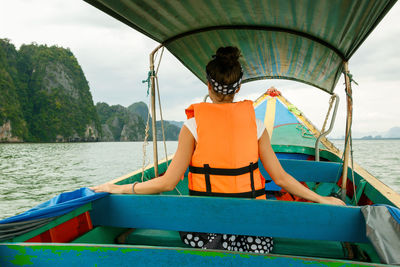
{"x":327,"y":131}
{"x":153,"y":109}
{"x":348,"y":129}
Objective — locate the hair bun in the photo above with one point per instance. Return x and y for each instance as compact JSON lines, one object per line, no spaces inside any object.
{"x":228,"y":55}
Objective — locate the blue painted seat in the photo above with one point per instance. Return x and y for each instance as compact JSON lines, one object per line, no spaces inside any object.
{"x":309,"y":221}
{"x":308,"y":171}
{"x":305,"y":171}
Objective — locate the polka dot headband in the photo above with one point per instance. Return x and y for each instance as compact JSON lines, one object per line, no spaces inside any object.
{"x":225,"y":89}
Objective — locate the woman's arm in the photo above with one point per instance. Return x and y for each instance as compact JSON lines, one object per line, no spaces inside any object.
{"x":169,"y":180}
{"x":283,"y":179}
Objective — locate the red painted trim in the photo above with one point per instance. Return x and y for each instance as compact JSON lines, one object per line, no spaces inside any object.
{"x":67,"y":231}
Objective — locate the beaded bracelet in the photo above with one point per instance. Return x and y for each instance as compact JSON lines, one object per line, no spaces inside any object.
{"x":133,"y":188}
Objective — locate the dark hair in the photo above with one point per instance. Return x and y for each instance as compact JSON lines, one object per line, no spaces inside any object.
{"x":225,"y":67}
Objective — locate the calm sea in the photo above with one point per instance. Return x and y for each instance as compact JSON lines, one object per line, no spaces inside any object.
{"x":33,"y":173}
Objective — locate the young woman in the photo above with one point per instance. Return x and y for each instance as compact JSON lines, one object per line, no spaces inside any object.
{"x":221,"y":143}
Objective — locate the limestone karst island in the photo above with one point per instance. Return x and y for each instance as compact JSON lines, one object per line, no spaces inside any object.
{"x":45,"y":97}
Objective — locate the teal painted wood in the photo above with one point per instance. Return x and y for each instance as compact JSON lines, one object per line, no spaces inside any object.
{"x":309,"y":171}
{"x":231,"y":215}
{"x":84,"y":255}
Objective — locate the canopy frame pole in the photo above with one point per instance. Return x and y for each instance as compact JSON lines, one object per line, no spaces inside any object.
{"x":153,"y":109}
{"x":259,"y":28}
{"x":348,"y":129}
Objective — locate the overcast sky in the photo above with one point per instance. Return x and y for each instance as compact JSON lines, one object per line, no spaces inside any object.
{"x":114,"y":59}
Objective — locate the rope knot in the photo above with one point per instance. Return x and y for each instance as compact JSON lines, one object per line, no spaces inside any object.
{"x":351,"y":77}
{"x":149,"y":75}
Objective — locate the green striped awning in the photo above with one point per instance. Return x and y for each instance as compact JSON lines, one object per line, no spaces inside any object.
{"x":302,"y":40}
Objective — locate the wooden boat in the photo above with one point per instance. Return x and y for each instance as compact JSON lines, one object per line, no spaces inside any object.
{"x":306,"y":41}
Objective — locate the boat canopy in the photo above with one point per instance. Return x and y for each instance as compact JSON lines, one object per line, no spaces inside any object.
{"x":302,"y":40}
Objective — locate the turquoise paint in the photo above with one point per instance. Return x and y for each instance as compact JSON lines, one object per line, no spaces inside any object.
{"x":16,"y":256}
{"x":308,"y":171}
{"x":76,"y":255}
{"x":260,"y":110}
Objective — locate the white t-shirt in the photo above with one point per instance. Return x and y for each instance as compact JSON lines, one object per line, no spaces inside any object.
{"x":192,"y":126}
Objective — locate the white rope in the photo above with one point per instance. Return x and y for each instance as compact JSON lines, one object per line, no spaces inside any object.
{"x":159,"y":104}
{"x":145,"y":142}
{"x":162,"y":123}
{"x":161,"y":114}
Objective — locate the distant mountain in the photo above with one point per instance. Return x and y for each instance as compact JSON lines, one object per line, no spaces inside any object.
{"x":119,"y":124}
{"x":362,"y":134}
{"x":139,"y":108}
{"x":142,"y":110}
{"x":392,"y":133}
{"x":177,"y":123}
{"x":129,"y":124}
{"x":44,"y":96}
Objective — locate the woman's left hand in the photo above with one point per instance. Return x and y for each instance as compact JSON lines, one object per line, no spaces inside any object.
{"x":332,"y":201}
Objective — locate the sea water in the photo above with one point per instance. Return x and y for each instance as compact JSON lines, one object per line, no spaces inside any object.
{"x":33,"y":173}
{"x":381,"y":158}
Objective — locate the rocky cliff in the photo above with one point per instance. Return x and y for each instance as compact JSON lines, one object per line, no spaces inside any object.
{"x":12,"y":124}
{"x":44,"y":96}
{"x":120,"y":124}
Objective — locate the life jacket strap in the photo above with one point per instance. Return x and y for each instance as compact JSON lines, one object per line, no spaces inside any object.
{"x":250,"y":194}
{"x":253,"y":190}
{"x":226,"y":172}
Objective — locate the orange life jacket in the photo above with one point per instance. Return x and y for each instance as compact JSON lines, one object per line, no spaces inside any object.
{"x":225,"y":160}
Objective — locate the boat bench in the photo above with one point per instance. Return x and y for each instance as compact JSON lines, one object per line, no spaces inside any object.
{"x":303,"y":229}
{"x":294,"y":220}
{"x":305,"y":171}
{"x":309,"y":171}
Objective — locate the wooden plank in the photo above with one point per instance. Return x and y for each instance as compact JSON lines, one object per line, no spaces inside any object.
{"x":384,"y":190}
{"x":230,"y":215}
{"x":308,"y":171}
{"x":84,"y":255}
{"x":270,"y":116}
